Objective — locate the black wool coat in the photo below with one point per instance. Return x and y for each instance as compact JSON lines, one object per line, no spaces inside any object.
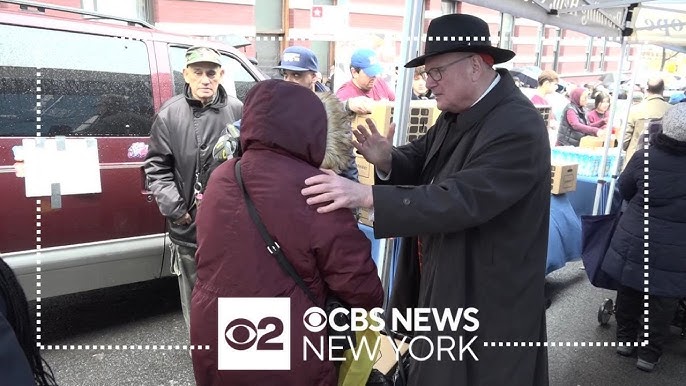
{"x":624,"y":260}
{"x":482,"y":218}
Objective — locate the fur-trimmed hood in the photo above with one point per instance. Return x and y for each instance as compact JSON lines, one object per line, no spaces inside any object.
{"x":339,"y":146}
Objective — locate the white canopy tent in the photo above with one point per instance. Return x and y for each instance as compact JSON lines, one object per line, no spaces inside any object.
{"x":661,"y":22}
{"x":658,"y":22}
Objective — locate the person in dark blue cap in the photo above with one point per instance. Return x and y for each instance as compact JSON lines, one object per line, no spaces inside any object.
{"x":300,"y":65}
{"x":366,"y":82}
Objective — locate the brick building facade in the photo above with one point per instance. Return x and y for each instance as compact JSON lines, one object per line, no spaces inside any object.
{"x":271,"y":25}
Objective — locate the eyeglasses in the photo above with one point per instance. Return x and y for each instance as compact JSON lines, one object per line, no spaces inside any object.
{"x":436,"y":72}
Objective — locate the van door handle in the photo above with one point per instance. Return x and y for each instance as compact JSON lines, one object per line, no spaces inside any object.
{"x":145,"y":185}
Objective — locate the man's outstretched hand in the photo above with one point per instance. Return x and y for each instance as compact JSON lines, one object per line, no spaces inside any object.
{"x":373,"y":146}
{"x":337,"y":191}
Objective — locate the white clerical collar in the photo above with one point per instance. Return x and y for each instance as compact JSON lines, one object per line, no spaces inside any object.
{"x":495,"y":81}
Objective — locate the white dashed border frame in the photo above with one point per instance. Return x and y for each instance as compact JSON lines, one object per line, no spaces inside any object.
{"x":39,"y":126}
{"x":207,"y":347}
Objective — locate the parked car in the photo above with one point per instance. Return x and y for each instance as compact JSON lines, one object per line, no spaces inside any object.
{"x":72,"y":70}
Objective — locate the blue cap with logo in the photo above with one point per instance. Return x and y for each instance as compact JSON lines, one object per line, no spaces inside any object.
{"x":297,"y":58}
{"x":366,"y":60}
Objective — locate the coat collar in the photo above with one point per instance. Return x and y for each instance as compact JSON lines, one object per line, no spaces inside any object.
{"x":653,"y":96}
{"x":504,"y":88}
{"x":669,"y":144}
{"x":468,"y":119}
{"x":219,"y":101}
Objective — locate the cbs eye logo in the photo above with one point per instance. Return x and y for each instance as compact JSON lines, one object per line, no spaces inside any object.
{"x":253,"y":333}
{"x":242,"y":334}
{"x":315,"y":319}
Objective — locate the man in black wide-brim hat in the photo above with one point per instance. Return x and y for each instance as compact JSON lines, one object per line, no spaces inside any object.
{"x":471,"y":199}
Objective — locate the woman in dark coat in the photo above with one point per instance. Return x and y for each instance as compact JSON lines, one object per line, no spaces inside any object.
{"x":625,"y":259}
{"x":284,"y":138}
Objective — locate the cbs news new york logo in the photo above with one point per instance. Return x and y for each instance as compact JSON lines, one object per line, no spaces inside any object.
{"x":255,"y":333}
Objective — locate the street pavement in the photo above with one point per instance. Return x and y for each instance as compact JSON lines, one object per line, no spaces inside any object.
{"x":149,"y":314}
{"x":140,"y":314}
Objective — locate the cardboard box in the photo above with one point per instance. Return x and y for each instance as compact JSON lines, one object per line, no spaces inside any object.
{"x":387,"y":359}
{"x":423,"y":115}
{"x":382,"y":115}
{"x":365,"y":216}
{"x":563,"y":178}
{"x":592,"y":142}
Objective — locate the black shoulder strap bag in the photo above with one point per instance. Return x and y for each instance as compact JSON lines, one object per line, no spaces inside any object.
{"x":275,"y":250}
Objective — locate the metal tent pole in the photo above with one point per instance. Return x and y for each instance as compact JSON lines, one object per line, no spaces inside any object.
{"x":412,"y":32}
{"x":601,"y":174}
{"x":620,"y":138}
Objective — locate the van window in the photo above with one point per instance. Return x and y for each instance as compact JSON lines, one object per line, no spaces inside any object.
{"x":237,"y":79}
{"x":90,"y":85}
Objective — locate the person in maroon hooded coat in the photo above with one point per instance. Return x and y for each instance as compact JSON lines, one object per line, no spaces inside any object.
{"x":283,"y":137}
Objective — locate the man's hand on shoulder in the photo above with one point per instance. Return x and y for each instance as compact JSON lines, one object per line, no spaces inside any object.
{"x":337,"y":192}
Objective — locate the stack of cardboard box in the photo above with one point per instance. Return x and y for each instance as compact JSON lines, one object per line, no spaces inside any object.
{"x":563,"y":177}
{"x":422,"y":115}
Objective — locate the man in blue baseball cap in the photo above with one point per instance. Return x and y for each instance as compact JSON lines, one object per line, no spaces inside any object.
{"x":300,"y":65}
{"x":366,"y":78}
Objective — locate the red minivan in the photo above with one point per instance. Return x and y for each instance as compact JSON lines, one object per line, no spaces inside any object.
{"x":68,"y":74}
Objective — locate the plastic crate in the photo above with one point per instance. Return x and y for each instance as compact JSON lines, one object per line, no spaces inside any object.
{"x":545,"y":112}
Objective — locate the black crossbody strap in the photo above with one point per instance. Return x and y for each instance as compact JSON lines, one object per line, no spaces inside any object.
{"x":272,"y":246}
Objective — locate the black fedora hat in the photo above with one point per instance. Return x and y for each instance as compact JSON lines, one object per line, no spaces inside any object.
{"x":459,"y":33}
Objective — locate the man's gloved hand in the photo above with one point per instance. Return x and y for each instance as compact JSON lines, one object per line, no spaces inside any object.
{"x":184,"y":220}
{"x":228,"y":144}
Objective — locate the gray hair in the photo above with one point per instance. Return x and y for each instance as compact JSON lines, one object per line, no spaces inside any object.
{"x":674,"y":122}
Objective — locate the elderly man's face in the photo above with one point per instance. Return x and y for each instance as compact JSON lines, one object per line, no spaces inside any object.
{"x":451,"y":80}
{"x":203,"y":79}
